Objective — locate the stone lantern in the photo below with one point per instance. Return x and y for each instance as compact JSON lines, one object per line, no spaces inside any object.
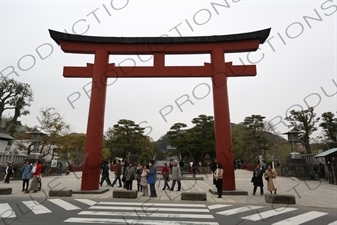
{"x":36,"y":139}
{"x":293,"y":139}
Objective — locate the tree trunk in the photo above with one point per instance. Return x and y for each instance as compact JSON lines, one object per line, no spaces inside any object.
{"x":13,"y":121}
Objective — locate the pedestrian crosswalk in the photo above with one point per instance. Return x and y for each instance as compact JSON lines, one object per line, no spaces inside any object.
{"x":265,"y":215}
{"x":108,"y":212}
{"x":6,"y":211}
{"x":145,"y":213}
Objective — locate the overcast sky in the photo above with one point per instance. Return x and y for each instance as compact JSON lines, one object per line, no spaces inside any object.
{"x":296,"y":67}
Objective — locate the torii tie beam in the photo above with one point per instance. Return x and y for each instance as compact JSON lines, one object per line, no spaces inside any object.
{"x":218,"y":70}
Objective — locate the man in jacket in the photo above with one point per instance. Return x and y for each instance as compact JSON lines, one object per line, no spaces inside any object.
{"x":118,"y":174}
{"x":152,"y":179}
{"x":176,"y":176}
{"x":105,"y":174}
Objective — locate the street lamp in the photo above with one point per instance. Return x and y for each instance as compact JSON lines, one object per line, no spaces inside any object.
{"x":293,"y":139}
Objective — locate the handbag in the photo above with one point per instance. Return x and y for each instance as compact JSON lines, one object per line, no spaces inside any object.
{"x":33,"y":170}
{"x":252,"y":180}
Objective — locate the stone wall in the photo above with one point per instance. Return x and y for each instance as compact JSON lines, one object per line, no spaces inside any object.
{"x":297,"y":168}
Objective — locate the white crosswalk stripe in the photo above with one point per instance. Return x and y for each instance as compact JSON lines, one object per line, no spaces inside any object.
{"x":217,"y":206}
{"x":297,"y":220}
{"x":151,"y":204}
{"x":333,"y":223}
{"x":63,"y":204}
{"x":145,"y":213}
{"x":6,"y":211}
{"x":86,"y":201}
{"x":157,"y":209}
{"x":36,"y":207}
{"x":238,"y":210}
{"x":264,"y":215}
{"x":138,"y":222}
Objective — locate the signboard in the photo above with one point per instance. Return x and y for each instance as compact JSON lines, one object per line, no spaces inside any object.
{"x":54,"y":163}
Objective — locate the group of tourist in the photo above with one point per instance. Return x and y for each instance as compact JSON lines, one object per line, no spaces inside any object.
{"x":126,"y":173}
{"x":269,"y":175}
{"x":28,"y":172}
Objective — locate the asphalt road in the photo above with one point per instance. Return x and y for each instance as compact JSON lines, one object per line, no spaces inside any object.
{"x":29,"y":211}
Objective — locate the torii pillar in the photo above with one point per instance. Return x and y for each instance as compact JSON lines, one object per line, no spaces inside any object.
{"x":218,"y":70}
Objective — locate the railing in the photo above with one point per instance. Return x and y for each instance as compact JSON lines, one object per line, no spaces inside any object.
{"x":310,"y":158}
{"x":15,"y":159}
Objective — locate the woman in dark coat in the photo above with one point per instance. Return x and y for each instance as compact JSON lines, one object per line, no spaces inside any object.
{"x":257,"y":179}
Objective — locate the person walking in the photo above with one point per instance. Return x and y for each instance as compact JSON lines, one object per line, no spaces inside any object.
{"x":194,"y":167}
{"x":105,"y":174}
{"x":26,"y":171}
{"x":143,"y":180}
{"x":272,"y":182}
{"x":165,"y":172}
{"x":9,"y":171}
{"x":118,"y":174}
{"x":152,"y":179}
{"x":176,"y":176}
{"x":171,"y":165}
{"x":60,"y":167}
{"x":130,"y":175}
{"x":218,"y":174}
{"x":36,"y":171}
{"x":182,"y":165}
{"x":257,"y":179}
{"x":139,"y":171}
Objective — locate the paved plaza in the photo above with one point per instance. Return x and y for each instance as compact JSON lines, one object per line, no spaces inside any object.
{"x":311,"y":193}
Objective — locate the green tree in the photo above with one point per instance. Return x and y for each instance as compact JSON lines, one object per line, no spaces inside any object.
{"x":15,"y":128}
{"x":256,"y":140}
{"x":56,"y":128}
{"x":177,"y":135}
{"x":329,"y":126}
{"x":15,"y":97}
{"x":203,"y":136}
{"x":71,"y":148}
{"x":196,"y":141}
{"x":241,"y":143}
{"x":125,"y":137}
{"x":304,"y":120}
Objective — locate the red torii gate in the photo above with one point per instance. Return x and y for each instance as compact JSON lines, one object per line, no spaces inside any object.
{"x":218,"y":70}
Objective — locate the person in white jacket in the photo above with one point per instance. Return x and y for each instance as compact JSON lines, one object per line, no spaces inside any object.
{"x":176,"y":176}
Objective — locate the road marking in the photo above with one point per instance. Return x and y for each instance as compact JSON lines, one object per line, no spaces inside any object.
{"x":36,"y":207}
{"x":86,"y":201}
{"x":333,"y":223}
{"x":305,"y":217}
{"x":238,"y":210}
{"x":217,"y":206}
{"x":138,"y":222}
{"x":267,"y":214}
{"x":63,"y":204}
{"x":6,"y":211}
{"x":153,"y":209}
{"x":142,"y":214}
{"x":151,"y":204}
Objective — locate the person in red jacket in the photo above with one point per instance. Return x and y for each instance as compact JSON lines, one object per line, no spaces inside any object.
{"x":166,"y":173}
{"x":36,"y":177}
